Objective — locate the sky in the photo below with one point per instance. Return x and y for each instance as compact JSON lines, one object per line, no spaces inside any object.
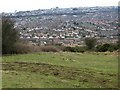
{"x":23,"y":5}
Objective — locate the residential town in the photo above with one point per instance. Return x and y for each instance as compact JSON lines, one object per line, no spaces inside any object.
{"x":67,"y":26}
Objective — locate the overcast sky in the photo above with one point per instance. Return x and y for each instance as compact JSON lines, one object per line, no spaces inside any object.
{"x":23,"y":5}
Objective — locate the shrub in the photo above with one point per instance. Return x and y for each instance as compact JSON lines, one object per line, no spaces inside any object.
{"x":106,"y":47}
{"x":118,"y":45}
{"x":103,"y":48}
{"x":112,"y":47}
{"x":49,"y":49}
{"x":80,"y":49}
{"x":90,"y":43}
{"x":74,"y":49}
{"x":21,"y":48}
{"x":68,"y":48}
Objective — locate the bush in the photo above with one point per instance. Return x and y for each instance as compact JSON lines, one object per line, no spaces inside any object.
{"x":90,"y":43}
{"x":74,"y":49}
{"x":24,"y":48}
{"x":106,"y":47}
{"x":118,"y":45}
{"x":103,"y":48}
{"x":21,"y":48}
{"x":112,"y":47}
{"x":49,"y":49}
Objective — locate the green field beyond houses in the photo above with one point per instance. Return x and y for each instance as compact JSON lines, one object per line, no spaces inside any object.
{"x":60,"y":70}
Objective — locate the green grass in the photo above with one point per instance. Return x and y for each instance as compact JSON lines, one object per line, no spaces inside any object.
{"x":60,"y":70}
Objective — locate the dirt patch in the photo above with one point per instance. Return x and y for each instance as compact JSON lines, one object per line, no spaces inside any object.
{"x":47,"y":69}
{"x":82,"y":75}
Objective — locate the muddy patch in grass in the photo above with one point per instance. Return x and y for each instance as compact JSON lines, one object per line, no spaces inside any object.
{"x":81,"y":75}
{"x":47,"y":69}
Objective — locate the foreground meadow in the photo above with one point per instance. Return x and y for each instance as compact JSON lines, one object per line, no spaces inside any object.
{"x":60,"y":70}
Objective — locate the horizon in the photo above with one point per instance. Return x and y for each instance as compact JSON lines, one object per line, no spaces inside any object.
{"x":56,"y":7}
{"x":12,"y":5}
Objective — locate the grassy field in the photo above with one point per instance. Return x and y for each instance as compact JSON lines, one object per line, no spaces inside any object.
{"x":60,"y":70}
